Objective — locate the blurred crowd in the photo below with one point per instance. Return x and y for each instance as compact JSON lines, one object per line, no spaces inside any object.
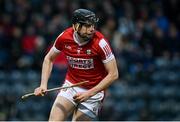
{"x":145,"y":38}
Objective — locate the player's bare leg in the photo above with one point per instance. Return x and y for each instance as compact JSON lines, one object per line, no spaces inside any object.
{"x":61,"y":109}
{"x":80,"y":116}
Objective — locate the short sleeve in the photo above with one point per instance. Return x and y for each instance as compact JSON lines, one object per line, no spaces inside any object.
{"x":105,"y":51}
{"x":58,"y":45}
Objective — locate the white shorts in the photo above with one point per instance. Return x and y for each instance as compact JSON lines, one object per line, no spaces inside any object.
{"x":90,"y":107}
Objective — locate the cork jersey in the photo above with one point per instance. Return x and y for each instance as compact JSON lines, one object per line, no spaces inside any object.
{"x":85,"y":60}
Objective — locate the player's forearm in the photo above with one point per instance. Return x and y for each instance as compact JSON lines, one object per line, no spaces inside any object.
{"x":46,"y":71}
{"x":105,"y":83}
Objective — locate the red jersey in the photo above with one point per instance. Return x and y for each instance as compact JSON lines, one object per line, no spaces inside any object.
{"x":85,"y":60}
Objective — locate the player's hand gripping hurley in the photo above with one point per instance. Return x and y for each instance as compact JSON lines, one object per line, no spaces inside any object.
{"x":57,"y":88}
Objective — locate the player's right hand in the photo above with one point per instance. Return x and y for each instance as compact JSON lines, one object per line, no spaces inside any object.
{"x":40,"y":91}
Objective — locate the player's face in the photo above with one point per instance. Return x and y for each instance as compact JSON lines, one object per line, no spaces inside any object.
{"x":87,"y":31}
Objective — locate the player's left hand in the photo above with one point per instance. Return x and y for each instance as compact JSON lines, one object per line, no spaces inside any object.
{"x":81,"y":97}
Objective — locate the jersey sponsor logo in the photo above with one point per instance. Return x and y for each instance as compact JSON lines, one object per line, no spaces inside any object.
{"x":80,"y":63}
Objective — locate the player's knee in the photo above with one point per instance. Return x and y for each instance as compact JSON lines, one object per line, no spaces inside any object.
{"x":58,"y":113}
{"x":56,"y":117}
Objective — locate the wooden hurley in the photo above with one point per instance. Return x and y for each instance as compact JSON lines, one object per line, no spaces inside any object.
{"x":54,"y":89}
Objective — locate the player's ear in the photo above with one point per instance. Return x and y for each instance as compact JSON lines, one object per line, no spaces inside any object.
{"x":76,"y":26}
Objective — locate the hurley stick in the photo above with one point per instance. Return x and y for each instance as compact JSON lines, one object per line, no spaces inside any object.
{"x":54,"y":89}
